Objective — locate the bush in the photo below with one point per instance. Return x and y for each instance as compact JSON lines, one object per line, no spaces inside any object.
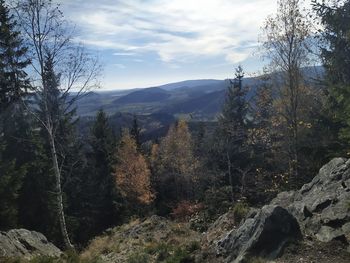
{"x":185,"y":209}
{"x":240,"y":210}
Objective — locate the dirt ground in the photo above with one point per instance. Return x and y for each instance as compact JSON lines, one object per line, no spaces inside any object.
{"x":314,"y":252}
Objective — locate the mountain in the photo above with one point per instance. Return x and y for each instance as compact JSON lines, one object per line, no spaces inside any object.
{"x":196,"y":99}
{"x":144,"y":96}
{"x":190,"y":84}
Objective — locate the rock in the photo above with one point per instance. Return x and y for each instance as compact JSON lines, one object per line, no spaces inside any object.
{"x":320,"y":211}
{"x":263,"y":235}
{"x":322,"y":207}
{"x":22,"y":243}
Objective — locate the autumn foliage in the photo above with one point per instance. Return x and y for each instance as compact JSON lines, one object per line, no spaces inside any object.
{"x":174,"y":164}
{"x":132,"y":173}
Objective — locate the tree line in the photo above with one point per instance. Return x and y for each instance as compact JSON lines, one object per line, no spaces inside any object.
{"x":72,"y":188}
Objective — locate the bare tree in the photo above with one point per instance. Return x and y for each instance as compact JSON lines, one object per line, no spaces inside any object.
{"x":287,"y":45}
{"x":62,"y":73}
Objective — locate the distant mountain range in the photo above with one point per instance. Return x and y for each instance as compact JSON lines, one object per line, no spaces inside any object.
{"x":158,"y":107}
{"x":200,"y":99}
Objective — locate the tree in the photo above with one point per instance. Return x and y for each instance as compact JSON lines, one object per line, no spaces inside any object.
{"x":286,"y":44}
{"x":135,"y":132}
{"x":10,"y":184}
{"x":131,"y":173}
{"x":14,"y":83}
{"x":99,"y":191}
{"x":174,"y":166}
{"x":233,"y":132}
{"x":334,"y":18}
{"x":60,"y":67}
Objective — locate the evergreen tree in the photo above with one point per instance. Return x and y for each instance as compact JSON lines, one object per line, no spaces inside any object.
{"x":335,"y":51}
{"x":135,"y":132}
{"x":233,"y":132}
{"x":13,"y":127}
{"x":13,"y":79}
{"x":98,"y":193}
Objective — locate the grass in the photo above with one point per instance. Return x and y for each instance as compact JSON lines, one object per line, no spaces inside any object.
{"x":172,"y":254}
{"x":240,"y":210}
{"x":138,"y":258}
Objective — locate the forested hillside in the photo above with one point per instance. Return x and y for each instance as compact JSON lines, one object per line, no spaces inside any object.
{"x":76,"y":163}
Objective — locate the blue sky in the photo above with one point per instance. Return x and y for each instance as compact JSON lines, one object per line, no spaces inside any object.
{"x":145,"y":43}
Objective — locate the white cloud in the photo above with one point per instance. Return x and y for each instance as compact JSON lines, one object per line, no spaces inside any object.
{"x":176,"y":30}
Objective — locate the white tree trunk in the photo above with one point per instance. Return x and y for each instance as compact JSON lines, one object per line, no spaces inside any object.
{"x":58,"y":192}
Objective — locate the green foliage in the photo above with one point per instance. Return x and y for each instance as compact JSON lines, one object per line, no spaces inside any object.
{"x":13,"y":79}
{"x":10,"y":184}
{"x":335,"y":19}
{"x":240,"y":210}
{"x":233,"y":132}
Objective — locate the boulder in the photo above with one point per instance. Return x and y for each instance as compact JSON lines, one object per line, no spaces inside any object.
{"x":263,"y":235}
{"x":319,"y":211}
{"x":22,"y":243}
{"x":322,"y":207}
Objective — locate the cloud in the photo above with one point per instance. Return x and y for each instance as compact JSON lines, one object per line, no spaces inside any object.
{"x":178,"y":31}
{"x":120,"y":66}
{"x":162,"y":41}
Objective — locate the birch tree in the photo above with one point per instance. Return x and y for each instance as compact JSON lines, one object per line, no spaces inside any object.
{"x":59,"y":66}
{"x":286,"y":43}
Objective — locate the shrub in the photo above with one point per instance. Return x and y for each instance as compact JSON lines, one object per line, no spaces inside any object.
{"x":185,"y":209}
{"x":240,"y":210}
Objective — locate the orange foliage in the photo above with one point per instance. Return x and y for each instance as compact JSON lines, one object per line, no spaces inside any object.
{"x":132,"y":173}
{"x":185,"y":209}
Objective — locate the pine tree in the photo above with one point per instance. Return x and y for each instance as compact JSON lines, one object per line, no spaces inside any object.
{"x":99,"y":193}
{"x":13,"y":86}
{"x":13,"y":79}
{"x":135,"y":132}
{"x":233,"y":132}
{"x":335,"y":51}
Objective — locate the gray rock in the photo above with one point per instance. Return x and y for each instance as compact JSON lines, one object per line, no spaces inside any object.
{"x":319,"y":210}
{"x":27,"y":244}
{"x":322,"y":207}
{"x":263,"y":235}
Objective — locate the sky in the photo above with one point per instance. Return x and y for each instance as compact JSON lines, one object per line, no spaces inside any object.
{"x":144,"y":43}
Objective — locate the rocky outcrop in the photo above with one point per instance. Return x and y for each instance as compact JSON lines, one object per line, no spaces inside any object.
{"x":264,"y":235}
{"x":322,"y":207}
{"x":320,"y":210}
{"x":22,"y":243}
